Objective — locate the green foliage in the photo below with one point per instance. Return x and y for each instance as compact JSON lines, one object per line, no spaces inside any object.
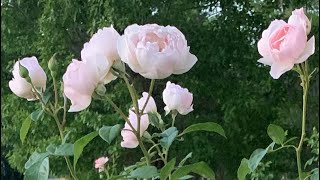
{"x":37,"y":167}
{"x":80,"y":144}
{"x":24,"y":129}
{"x":209,"y":126}
{"x":260,"y":172}
{"x":168,"y":136}
{"x":200,"y":168}
{"x":243,"y":169}
{"x":108,"y":133}
{"x":276,"y":133}
{"x":144,"y":172}
{"x":249,"y":166}
{"x":166,"y":170}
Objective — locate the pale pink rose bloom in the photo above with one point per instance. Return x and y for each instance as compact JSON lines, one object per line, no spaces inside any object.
{"x":99,"y":163}
{"x":101,"y":51}
{"x":80,"y":81}
{"x":282,"y":45}
{"x":151,"y":105}
{"x":20,"y":86}
{"x":129,"y":138}
{"x":154,"y":51}
{"x":177,"y":98}
{"x":298,"y":17}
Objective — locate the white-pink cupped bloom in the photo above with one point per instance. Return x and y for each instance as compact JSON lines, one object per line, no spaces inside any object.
{"x":299,"y":17}
{"x":177,"y":98}
{"x":79,"y":83}
{"x":20,"y":86}
{"x":155,"y":51}
{"x":150,"y":106}
{"x":129,"y":138}
{"x":101,"y":51}
{"x":100,"y":162}
{"x":284,"y":44}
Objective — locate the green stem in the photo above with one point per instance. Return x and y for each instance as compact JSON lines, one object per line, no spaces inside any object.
{"x":305,"y":84}
{"x":134,"y":98}
{"x":55,"y":92}
{"x":145,"y":152}
{"x":286,"y":146}
{"x":173,"y":116}
{"x":55,"y":117}
{"x":149,"y":95}
{"x":120,"y":112}
{"x":65,"y":157}
{"x":64,"y":119}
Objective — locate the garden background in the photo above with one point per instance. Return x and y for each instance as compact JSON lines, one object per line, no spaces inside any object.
{"x":228,"y":84}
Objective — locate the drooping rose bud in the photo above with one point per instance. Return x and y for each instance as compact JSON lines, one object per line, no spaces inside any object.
{"x":154,"y":51}
{"x":27,"y":67}
{"x":129,"y":138}
{"x":79,"y":82}
{"x":100,"y":162}
{"x":177,"y":98}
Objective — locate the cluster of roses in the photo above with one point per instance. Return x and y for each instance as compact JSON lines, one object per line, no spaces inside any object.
{"x":153,"y":51}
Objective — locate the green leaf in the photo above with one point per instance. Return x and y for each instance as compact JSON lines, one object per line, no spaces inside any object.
{"x":155,"y":119}
{"x":34,"y":158}
{"x":276,"y":133}
{"x":24,"y":129}
{"x":51,"y":148}
{"x":64,"y":150}
{"x":46,"y":96}
{"x":200,"y":168}
{"x":144,"y":172}
{"x":185,"y":159}
{"x":257,"y":156}
{"x":36,"y":115}
{"x":38,"y":171}
{"x":80,"y":144}
{"x":208,"y":126}
{"x":108,"y":133}
{"x":315,"y":174}
{"x":61,"y":150}
{"x":166,"y":170}
{"x":168,"y":137}
{"x":243,"y":169}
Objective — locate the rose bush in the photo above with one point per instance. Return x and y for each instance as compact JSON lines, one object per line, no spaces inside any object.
{"x":151,"y":50}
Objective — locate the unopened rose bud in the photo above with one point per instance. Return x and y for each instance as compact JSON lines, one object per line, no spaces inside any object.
{"x":24,"y":73}
{"x":53,"y":65}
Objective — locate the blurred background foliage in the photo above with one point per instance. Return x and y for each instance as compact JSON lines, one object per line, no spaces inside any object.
{"x":228,"y":84}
